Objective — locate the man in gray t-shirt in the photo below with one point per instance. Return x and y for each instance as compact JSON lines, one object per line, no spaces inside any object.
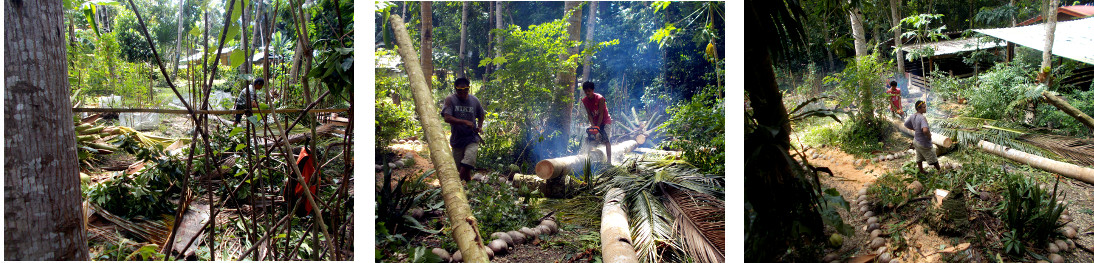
{"x":923,"y":148}
{"x":461,"y":111}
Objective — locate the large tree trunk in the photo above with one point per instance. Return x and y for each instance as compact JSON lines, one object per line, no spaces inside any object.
{"x":859,"y":33}
{"x":42,"y":211}
{"x":465,"y":229}
{"x":615,"y":233}
{"x":498,"y":25}
{"x":1066,"y":169}
{"x":551,"y":168}
{"x":489,"y":37}
{"x":894,"y":5}
{"x":427,"y":42}
{"x":562,"y":187}
{"x":936,"y":139}
{"x":587,"y":65}
{"x":1050,"y":36}
{"x":463,"y":42}
{"x":565,"y":78}
{"x":1070,"y":110}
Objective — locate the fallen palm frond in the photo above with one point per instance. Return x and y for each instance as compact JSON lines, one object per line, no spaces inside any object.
{"x":155,"y":231}
{"x":700,"y":222}
{"x":970,"y":131}
{"x":1080,"y":151}
{"x":148,"y":140}
{"x":645,"y":182}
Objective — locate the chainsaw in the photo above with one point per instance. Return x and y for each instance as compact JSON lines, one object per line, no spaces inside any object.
{"x":592,"y":139}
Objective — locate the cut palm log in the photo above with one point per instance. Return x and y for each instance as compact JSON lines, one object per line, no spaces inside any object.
{"x":464,"y":229}
{"x":1066,"y":169}
{"x":615,"y":233}
{"x":556,"y":188}
{"x":1067,"y":108}
{"x":551,"y":168}
{"x":937,"y":139}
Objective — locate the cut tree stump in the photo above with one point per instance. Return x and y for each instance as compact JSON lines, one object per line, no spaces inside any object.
{"x":551,"y":168}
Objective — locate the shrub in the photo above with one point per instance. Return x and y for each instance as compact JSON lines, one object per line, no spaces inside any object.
{"x":861,"y":135}
{"x":1029,"y":211}
{"x":699,"y":127}
{"x":1000,"y":93}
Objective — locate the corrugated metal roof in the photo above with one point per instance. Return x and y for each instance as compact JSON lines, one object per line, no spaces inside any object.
{"x":1073,"y":39}
{"x":1078,"y":11}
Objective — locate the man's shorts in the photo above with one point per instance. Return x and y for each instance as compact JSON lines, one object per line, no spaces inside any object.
{"x":925,"y":154}
{"x":466,"y":155}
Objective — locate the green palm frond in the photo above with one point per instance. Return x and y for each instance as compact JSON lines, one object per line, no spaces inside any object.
{"x":700,"y":222}
{"x":969,"y":131}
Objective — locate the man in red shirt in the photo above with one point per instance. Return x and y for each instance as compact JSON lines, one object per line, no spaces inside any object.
{"x":597,"y":111}
{"x":894,"y":99}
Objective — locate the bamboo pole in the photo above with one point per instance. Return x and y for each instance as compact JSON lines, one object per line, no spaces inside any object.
{"x":1067,"y":108}
{"x":164,"y":111}
{"x":1066,"y":169}
{"x":615,"y":233}
{"x":551,"y":168}
{"x":455,"y":200}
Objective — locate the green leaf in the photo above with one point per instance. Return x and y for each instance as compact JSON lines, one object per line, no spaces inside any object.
{"x":240,"y":146}
{"x":233,"y":31}
{"x":236,"y":59}
{"x":235,"y":131}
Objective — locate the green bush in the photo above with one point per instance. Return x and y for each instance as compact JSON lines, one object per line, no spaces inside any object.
{"x":498,"y":207}
{"x":1000,"y":93}
{"x":699,"y":127}
{"x":393,"y":121}
{"x":1029,"y":211}
{"x":861,"y":135}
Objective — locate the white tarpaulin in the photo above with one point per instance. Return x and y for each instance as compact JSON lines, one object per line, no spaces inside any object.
{"x":1074,"y":39}
{"x":946,"y":47}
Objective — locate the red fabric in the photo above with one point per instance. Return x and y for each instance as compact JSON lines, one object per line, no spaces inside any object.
{"x":895,"y":100}
{"x":596,"y":105}
{"x":307,"y":169}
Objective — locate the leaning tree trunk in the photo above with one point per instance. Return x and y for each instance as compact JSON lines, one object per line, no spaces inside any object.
{"x":894,"y":6}
{"x":1050,"y":36}
{"x":565,"y":78}
{"x":615,"y":233}
{"x":42,"y":211}
{"x":463,"y":42}
{"x":427,"y":42}
{"x":465,"y":229}
{"x":1066,"y":169}
{"x":587,"y":65}
{"x":1070,"y":110}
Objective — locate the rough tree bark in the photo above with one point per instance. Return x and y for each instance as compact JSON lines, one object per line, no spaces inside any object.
{"x":587,"y":65}
{"x":1067,"y":108}
{"x":42,"y":212}
{"x":1050,"y":36}
{"x":615,"y":232}
{"x":465,"y":229}
{"x":894,"y":6}
{"x":427,"y":42}
{"x":463,"y":42}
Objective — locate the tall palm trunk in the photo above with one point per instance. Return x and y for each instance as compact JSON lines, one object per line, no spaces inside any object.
{"x":465,"y":229}
{"x":42,"y":211}
{"x":894,"y":5}
{"x":427,"y":42}
{"x":587,"y":63}
{"x":463,"y":41}
{"x":178,"y":40}
{"x":857,"y":30}
{"x":565,"y":78}
{"x":1050,"y":37}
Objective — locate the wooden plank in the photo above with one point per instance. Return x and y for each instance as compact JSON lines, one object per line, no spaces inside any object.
{"x":202,"y":111}
{"x":192,"y":222}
